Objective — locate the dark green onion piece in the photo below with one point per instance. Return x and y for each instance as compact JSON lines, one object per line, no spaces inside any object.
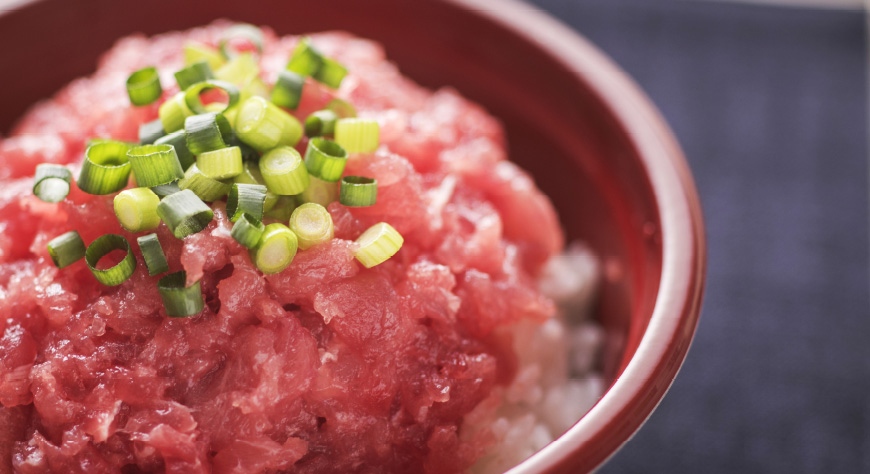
{"x":331,"y":73}
{"x":320,"y":123}
{"x":143,"y":86}
{"x":101,"y":247}
{"x":358,"y":191}
{"x":166,"y":189}
{"x":192,"y":95}
{"x":207,"y":132}
{"x":149,"y":132}
{"x":179,"y":141}
{"x":251,"y":175}
{"x":66,"y":249}
{"x":306,"y":60}
{"x":184,"y":213}
{"x":154,"y":165}
{"x":205,"y":188}
{"x":288,"y":89}
{"x":246,"y":199}
{"x":179,"y":300}
{"x":241,"y":31}
{"x":51,"y":182}
{"x":342,"y":108}
{"x":106,"y":168}
{"x":325,"y":159}
{"x":247,"y":231}
{"x":197,"y":72}
{"x":153,"y":254}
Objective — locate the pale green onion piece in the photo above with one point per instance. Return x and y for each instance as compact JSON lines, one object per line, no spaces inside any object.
{"x":246,"y":199}
{"x":207,"y":132}
{"x":358,"y":191}
{"x":306,"y":60}
{"x":283,"y":171}
{"x":254,"y":87}
{"x":342,"y":108}
{"x":173,"y":112}
{"x":331,"y":73}
{"x":205,"y":188}
{"x":106,"y":168}
{"x":377,"y":244}
{"x":221,"y":164}
{"x":239,"y":70}
{"x":247,"y":231}
{"x":283,"y":208}
{"x":178,"y":140}
{"x":276,"y":248}
{"x":320,"y":191}
{"x":288,"y":89}
{"x":194,"y":102}
{"x":51,"y":182}
{"x":180,"y":300}
{"x":184,"y":213}
{"x":358,"y":135}
{"x":197,"y":72}
{"x":136,"y":209}
{"x":166,"y":189}
{"x":154,"y":165}
{"x":152,"y":253}
{"x":242,"y":31}
{"x":263,"y":126}
{"x":251,"y":175}
{"x":66,"y":249}
{"x":118,"y":273}
{"x":149,"y":132}
{"x":325,"y":159}
{"x":320,"y":123}
{"x":195,"y":52}
{"x":143,"y":86}
{"x":312,"y":225}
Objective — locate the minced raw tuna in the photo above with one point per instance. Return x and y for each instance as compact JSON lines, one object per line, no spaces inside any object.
{"x":325,"y":367}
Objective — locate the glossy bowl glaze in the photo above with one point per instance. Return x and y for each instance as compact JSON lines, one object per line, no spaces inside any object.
{"x":594,"y":143}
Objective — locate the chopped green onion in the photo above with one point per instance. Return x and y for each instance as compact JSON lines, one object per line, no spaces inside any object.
{"x":241,"y":31}
{"x":154,"y":165}
{"x":342,"y":108}
{"x":312,"y":224}
{"x":288,"y":89}
{"x":377,"y":244}
{"x":253,"y":87}
{"x":247,"y":231}
{"x":166,"y":189}
{"x":143,"y":86}
{"x":178,"y":140}
{"x":283,"y":208}
{"x":358,"y":191}
{"x":321,"y":122}
{"x":358,"y":135}
{"x":283,"y":171}
{"x":153,"y":254}
{"x":325,"y":159}
{"x":246,"y":199}
{"x":149,"y":132}
{"x":192,"y":74}
{"x":331,"y":73}
{"x":184,"y":213}
{"x":194,"y":102}
{"x":136,"y":209}
{"x":66,"y":249}
{"x":205,"y":188}
{"x":262,"y":125}
{"x":195,"y":52}
{"x":207,"y":132}
{"x":276,"y":248}
{"x":239,"y":70}
{"x":173,"y":112}
{"x":221,"y":164}
{"x":306,"y":60}
{"x":179,"y":300}
{"x":102,"y":246}
{"x":320,"y":191}
{"x":106,"y":168}
{"x":251,"y":175}
{"x":51,"y":182}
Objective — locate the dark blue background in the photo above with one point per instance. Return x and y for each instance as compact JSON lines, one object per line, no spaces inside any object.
{"x":770,"y":105}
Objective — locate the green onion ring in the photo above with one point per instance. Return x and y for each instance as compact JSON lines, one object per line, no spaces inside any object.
{"x":244,"y":31}
{"x":66,"y":249}
{"x":207,"y":132}
{"x":106,"y":168}
{"x":247,"y":231}
{"x":288,"y":89}
{"x":192,"y":95}
{"x":152,"y":253}
{"x":154,"y":165}
{"x":321,"y":122}
{"x":179,"y":300}
{"x":246,"y":199}
{"x":358,"y":191}
{"x":325,"y":159}
{"x":178,"y":140}
{"x":195,"y":73}
{"x":143,"y":86}
{"x":101,"y":247}
{"x":51,"y":182}
{"x":184,"y":213}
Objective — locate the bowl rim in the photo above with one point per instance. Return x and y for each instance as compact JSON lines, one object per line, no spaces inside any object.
{"x":649,"y":374}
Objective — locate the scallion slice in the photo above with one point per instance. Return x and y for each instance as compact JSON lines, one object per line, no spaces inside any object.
{"x":320,"y":191}
{"x":377,"y":244}
{"x":251,"y":175}
{"x":342,"y":108}
{"x":306,"y":60}
{"x":207,"y":132}
{"x":184,"y":213}
{"x":178,"y":140}
{"x":166,"y":189}
{"x":51,"y":182}
{"x":320,"y":123}
{"x":283,"y":171}
{"x":221,"y":164}
{"x":358,"y":135}
{"x":205,"y":188}
{"x":239,"y":70}
{"x":106,"y":168}
{"x":102,"y":246}
{"x":283,"y":208}
{"x":66,"y":249}
{"x":195,"y":52}
{"x":143,"y":86}
{"x":325,"y":159}
{"x":246,"y":199}
{"x":358,"y":191}
{"x":263,"y":126}
{"x":312,"y":225}
{"x":136,"y":209}
{"x":173,"y":112}
{"x":180,"y":300}
{"x":197,"y":72}
{"x":153,"y":254}
{"x":149,"y":132}
{"x":194,"y":102}
{"x":243,"y":32}
{"x":154,"y":165}
{"x":288,"y":89}
{"x":276,"y":248}
{"x":247,"y":231}
{"x":331,"y":73}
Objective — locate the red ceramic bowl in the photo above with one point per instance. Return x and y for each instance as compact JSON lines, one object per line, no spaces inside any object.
{"x":593,"y":141}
